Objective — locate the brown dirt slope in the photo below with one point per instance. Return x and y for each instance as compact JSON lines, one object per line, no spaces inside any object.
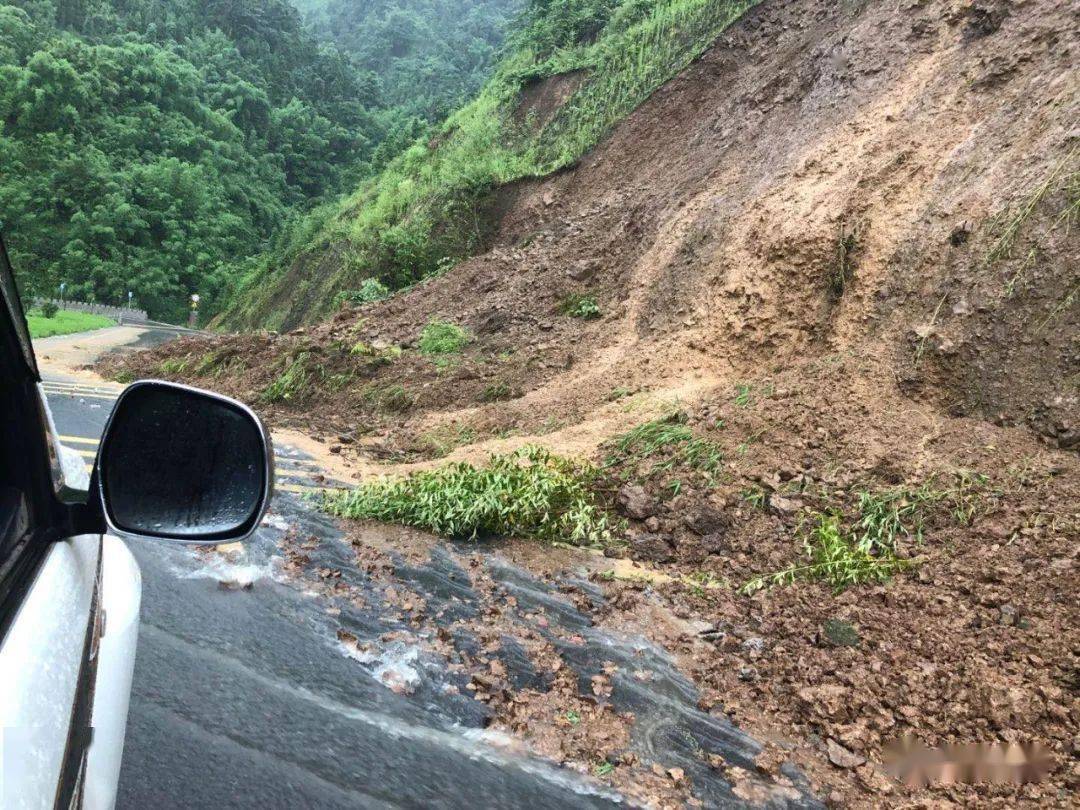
{"x":893,"y":181}
{"x":846,"y":242}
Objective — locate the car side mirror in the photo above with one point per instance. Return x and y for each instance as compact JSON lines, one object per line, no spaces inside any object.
{"x":177,"y":463}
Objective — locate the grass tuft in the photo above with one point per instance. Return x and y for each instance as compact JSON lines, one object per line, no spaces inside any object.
{"x":293,"y":383}
{"x":836,"y":556}
{"x":528,"y":493}
{"x":173,"y":366}
{"x":389,"y":398}
{"x":497,"y":392}
{"x":670,"y":442}
{"x":374,"y":356}
{"x":442,"y":337}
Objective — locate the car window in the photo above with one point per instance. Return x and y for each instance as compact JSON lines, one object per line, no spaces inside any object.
{"x":14,"y":315}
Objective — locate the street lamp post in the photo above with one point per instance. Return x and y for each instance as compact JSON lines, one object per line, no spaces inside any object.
{"x":63,"y":284}
{"x":193,"y":319}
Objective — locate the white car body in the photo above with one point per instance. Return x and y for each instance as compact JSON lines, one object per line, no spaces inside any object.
{"x":69,"y":589}
{"x":88,"y":586}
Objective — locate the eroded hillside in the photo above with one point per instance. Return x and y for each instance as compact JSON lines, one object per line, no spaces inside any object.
{"x":842,"y":248}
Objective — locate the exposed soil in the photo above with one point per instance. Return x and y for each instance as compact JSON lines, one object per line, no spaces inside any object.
{"x":845,"y":241}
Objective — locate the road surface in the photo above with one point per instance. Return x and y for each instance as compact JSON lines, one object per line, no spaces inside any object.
{"x":243,"y":696}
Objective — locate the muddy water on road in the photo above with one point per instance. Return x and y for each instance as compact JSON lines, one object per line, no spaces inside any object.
{"x":270,"y":678}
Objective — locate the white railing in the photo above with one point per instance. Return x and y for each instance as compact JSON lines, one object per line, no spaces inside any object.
{"x":120,"y":314}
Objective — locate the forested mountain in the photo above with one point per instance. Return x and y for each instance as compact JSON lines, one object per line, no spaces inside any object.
{"x":432,"y":55}
{"x":156,"y":145}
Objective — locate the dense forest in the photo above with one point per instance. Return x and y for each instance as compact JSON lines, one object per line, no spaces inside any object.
{"x":157,"y":146}
{"x":432,"y":55}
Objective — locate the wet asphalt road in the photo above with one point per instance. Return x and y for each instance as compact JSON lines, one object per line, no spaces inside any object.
{"x":243,"y":698}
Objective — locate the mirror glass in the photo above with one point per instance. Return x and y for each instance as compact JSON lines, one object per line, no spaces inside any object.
{"x":183,"y":464}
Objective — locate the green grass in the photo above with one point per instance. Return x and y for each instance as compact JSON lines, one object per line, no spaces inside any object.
{"x":65,"y":322}
{"x":293,"y":383}
{"x":756,"y":496}
{"x":389,"y":398}
{"x":835,"y":555}
{"x":651,"y":437}
{"x":670,"y":442}
{"x":426,"y":209}
{"x":173,"y":366}
{"x":528,"y":493}
{"x":442,"y":338}
{"x":497,"y":392}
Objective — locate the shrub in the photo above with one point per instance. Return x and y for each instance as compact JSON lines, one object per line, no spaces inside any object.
{"x":528,"y":493}
{"x":371,"y":289}
{"x":580,"y":306}
{"x":442,"y":337}
{"x":49,"y":309}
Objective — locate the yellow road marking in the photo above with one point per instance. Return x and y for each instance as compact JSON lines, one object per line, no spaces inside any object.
{"x":78,"y":440}
{"x":285,"y":465}
{"x":278,"y":486}
{"x":297,"y":488}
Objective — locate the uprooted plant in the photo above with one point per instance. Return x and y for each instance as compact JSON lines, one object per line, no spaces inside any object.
{"x":666,"y":443}
{"x":844,"y":550}
{"x":528,"y":493}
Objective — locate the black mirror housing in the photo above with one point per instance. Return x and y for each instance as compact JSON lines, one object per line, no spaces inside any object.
{"x":177,"y":463}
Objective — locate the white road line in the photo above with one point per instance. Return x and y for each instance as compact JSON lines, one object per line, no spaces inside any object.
{"x":82,"y":395}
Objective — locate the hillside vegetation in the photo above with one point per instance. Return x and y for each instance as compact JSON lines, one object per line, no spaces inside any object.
{"x":428,"y":208}
{"x":154,"y":146}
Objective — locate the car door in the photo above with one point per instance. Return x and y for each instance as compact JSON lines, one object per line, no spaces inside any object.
{"x":49,"y":589}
